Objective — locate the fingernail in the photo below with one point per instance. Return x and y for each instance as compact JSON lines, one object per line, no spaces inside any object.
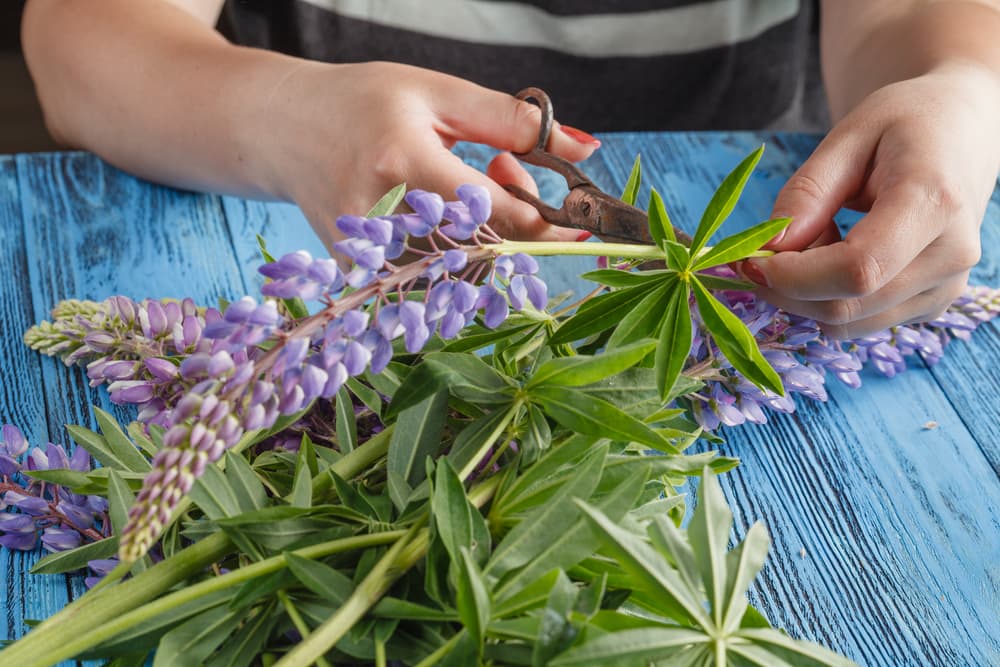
{"x":583,"y":236}
{"x":580,"y":136}
{"x":753,"y":273}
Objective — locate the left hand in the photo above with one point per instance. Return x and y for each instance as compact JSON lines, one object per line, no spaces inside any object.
{"x":920,"y":157}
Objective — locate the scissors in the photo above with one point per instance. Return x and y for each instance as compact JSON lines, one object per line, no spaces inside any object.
{"x":586,"y":206}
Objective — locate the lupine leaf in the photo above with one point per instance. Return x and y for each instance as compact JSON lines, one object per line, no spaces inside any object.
{"x":481,"y":432}
{"x":301,"y":493}
{"x":456,"y":520}
{"x":534,"y":532}
{"x":426,"y":378}
{"x":720,"y":283}
{"x":567,"y":547}
{"x":735,"y":341}
{"x":582,"y":413}
{"x":330,"y":584}
{"x":120,"y":499}
{"x":247,"y":487}
{"x":417,"y":435}
{"x":71,"y":479}
{"x":660,"y":227}
{"x":678,"y":257}
{"x":554,"y":631}
{"x":536,"y":435}
{"x":102,"y":450}
{"x":475,"y":341}
{"x":675,"y":339}
{"x":631,"y":192}
{"x":600,"y":313}
{"x":581,"y":370}
{"x":213,"y":494}
{"x":803,"y":653}
{"x":724,"y":199}
{"x":366,"y":395}
{"x":739,"y":246}
{"x":630,"y":647}
{"x":649,"y":570}
{"x":388,"y":203}
{"x":709,"y":537}
{"x":474,"y":380}
{"x":75,"y":559}
{"x":472,"y":598}
{"x":194,"y":640}
{"x":346,"y":423}
{"x":621,"y":278}
{"x":742,"y":566}
{"x":513,"y":602}
{"x":644,"y":320}
{"x":541,"y":474}
{"x":246,"y":644}
{"x":669,"y":539}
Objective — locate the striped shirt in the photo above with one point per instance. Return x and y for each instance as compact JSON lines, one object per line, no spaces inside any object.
{"x":607,"y":65}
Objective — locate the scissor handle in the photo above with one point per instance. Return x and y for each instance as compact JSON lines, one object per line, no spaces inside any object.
{"x":545,"y":105}
{"x":539,"y":155}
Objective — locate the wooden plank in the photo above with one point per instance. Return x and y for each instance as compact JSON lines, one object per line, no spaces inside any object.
{"x":22,"y":402}
{"x":91,"y":231}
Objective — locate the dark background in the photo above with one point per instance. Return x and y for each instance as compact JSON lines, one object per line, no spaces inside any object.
{"x":21,"y":125}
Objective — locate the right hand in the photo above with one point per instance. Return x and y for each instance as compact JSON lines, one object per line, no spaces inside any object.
{"x":346,"y":134}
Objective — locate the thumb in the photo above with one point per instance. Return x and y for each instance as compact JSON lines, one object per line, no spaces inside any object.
{"x":474,"y":113}
{"x":833,"y":174}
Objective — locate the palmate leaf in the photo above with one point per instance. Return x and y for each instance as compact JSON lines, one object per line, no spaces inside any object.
{"x":638,"y":646}
{"x":601,"y":313}
{"x":678,"y":256}
{"x":457,"y":521}
{"x":709,"y":537}
{"x":194,"y":640}
{"x":417,"y":436}
{"x":622,"y":278}
{"x":555,"y":632}
{"x":735,"y":341}
{"x":723,"y":201}
{"x":472,"y":598}
{"x":796,"y":652}
{"x":644,"y":320}
{"x":675,"y":339}
{"x":739,"y":246}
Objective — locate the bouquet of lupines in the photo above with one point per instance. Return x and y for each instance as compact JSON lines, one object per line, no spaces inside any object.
{"x":416,"y":461}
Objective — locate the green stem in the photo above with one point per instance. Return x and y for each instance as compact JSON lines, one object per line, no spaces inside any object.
{"x":299,"y":623}
{"x":85,"y":621}
{"x":441,"y":651}
{"x":550,"y":248}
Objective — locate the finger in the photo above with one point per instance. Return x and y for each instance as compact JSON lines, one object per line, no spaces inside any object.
{"x":478,"y":114}
{"x":831,"y":234}
{"x":834,"y":173}
{"x":899,"y":226}
{"x":924,"y":307}
{"x":505,"y":169}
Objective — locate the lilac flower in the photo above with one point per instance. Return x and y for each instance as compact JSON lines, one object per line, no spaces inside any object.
{"x":297,"y":274}
{"x":428,"y":205}
{"x":60,"y":539}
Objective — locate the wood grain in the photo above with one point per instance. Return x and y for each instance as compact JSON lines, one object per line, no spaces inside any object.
{"x":899,"y":525}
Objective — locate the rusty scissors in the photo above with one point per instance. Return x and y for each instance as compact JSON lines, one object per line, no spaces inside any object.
{"x":586,"y":206}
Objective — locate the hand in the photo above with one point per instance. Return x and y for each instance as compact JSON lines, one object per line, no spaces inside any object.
{"x":920,"y":157}
{"x":349,"y":133}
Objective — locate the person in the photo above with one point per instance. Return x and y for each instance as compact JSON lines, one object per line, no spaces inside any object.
{"x":913,"y":89}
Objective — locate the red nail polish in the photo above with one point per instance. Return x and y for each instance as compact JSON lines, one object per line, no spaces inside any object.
{"x":583,"y":236}
{"x":753,"y":273}
{"x":580,"y":136}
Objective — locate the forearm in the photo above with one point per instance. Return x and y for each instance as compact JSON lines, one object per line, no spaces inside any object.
{"x":157,"y":92}
{"x":866,"y":45}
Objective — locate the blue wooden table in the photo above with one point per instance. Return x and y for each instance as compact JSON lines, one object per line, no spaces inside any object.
{"x":886,"y":535}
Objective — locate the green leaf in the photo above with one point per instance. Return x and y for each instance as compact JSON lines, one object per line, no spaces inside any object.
{"x":247,"y":488}
{"x":213,"y":494}
{"x":247,"y":643}
{"x":346,"y":422}
{"x":720,"y":283}
{"x":644,"y":320}
{"x":76,"y":559}
{"x":806,"y":654}
{"x":554,"y":631}
{"x":742,"y":566}
{"x":631,"y":191}
{"x":119,"y":443}
{"x":481,"y":432}
{"x":149,"y":444}
{"x":630,"y":647}
{"x":649,"y":570}
{"x":709,"y":537}
{"x":456,"y":520}
{"x":301,"y":493}
{"x":326,"y":582}
{"x":678,"y":257}
{"x":600,"y":313}
{"x":472,"y":598}
{"x":739,"y":246}
{"x":675,"y":339}
{"x":621,"y":278}
{"x":582,"y":413}
{"x":417,"y":436}
{"x":425,"y":379}
{"x":536,"y":435}
{"x":735,"y":341}
{"x":581,"y":370}
{"x":660,"y":227}
{"x":724,"y":199}
{"x":388,"y":202}
{"x":366,"y":395}
{"x":190,"y":643}
{"x":542,"y":473}
{"x":97,"y":446}
{"x":534,"y":533}
{"x":472,"y":339}
{"x":531,"y":596}
{"x":71,"y":479}
{"x":569,"y":546}
{"x":472,"y":379}
{"x":278,"y":526}
{"x":120,"y":499}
